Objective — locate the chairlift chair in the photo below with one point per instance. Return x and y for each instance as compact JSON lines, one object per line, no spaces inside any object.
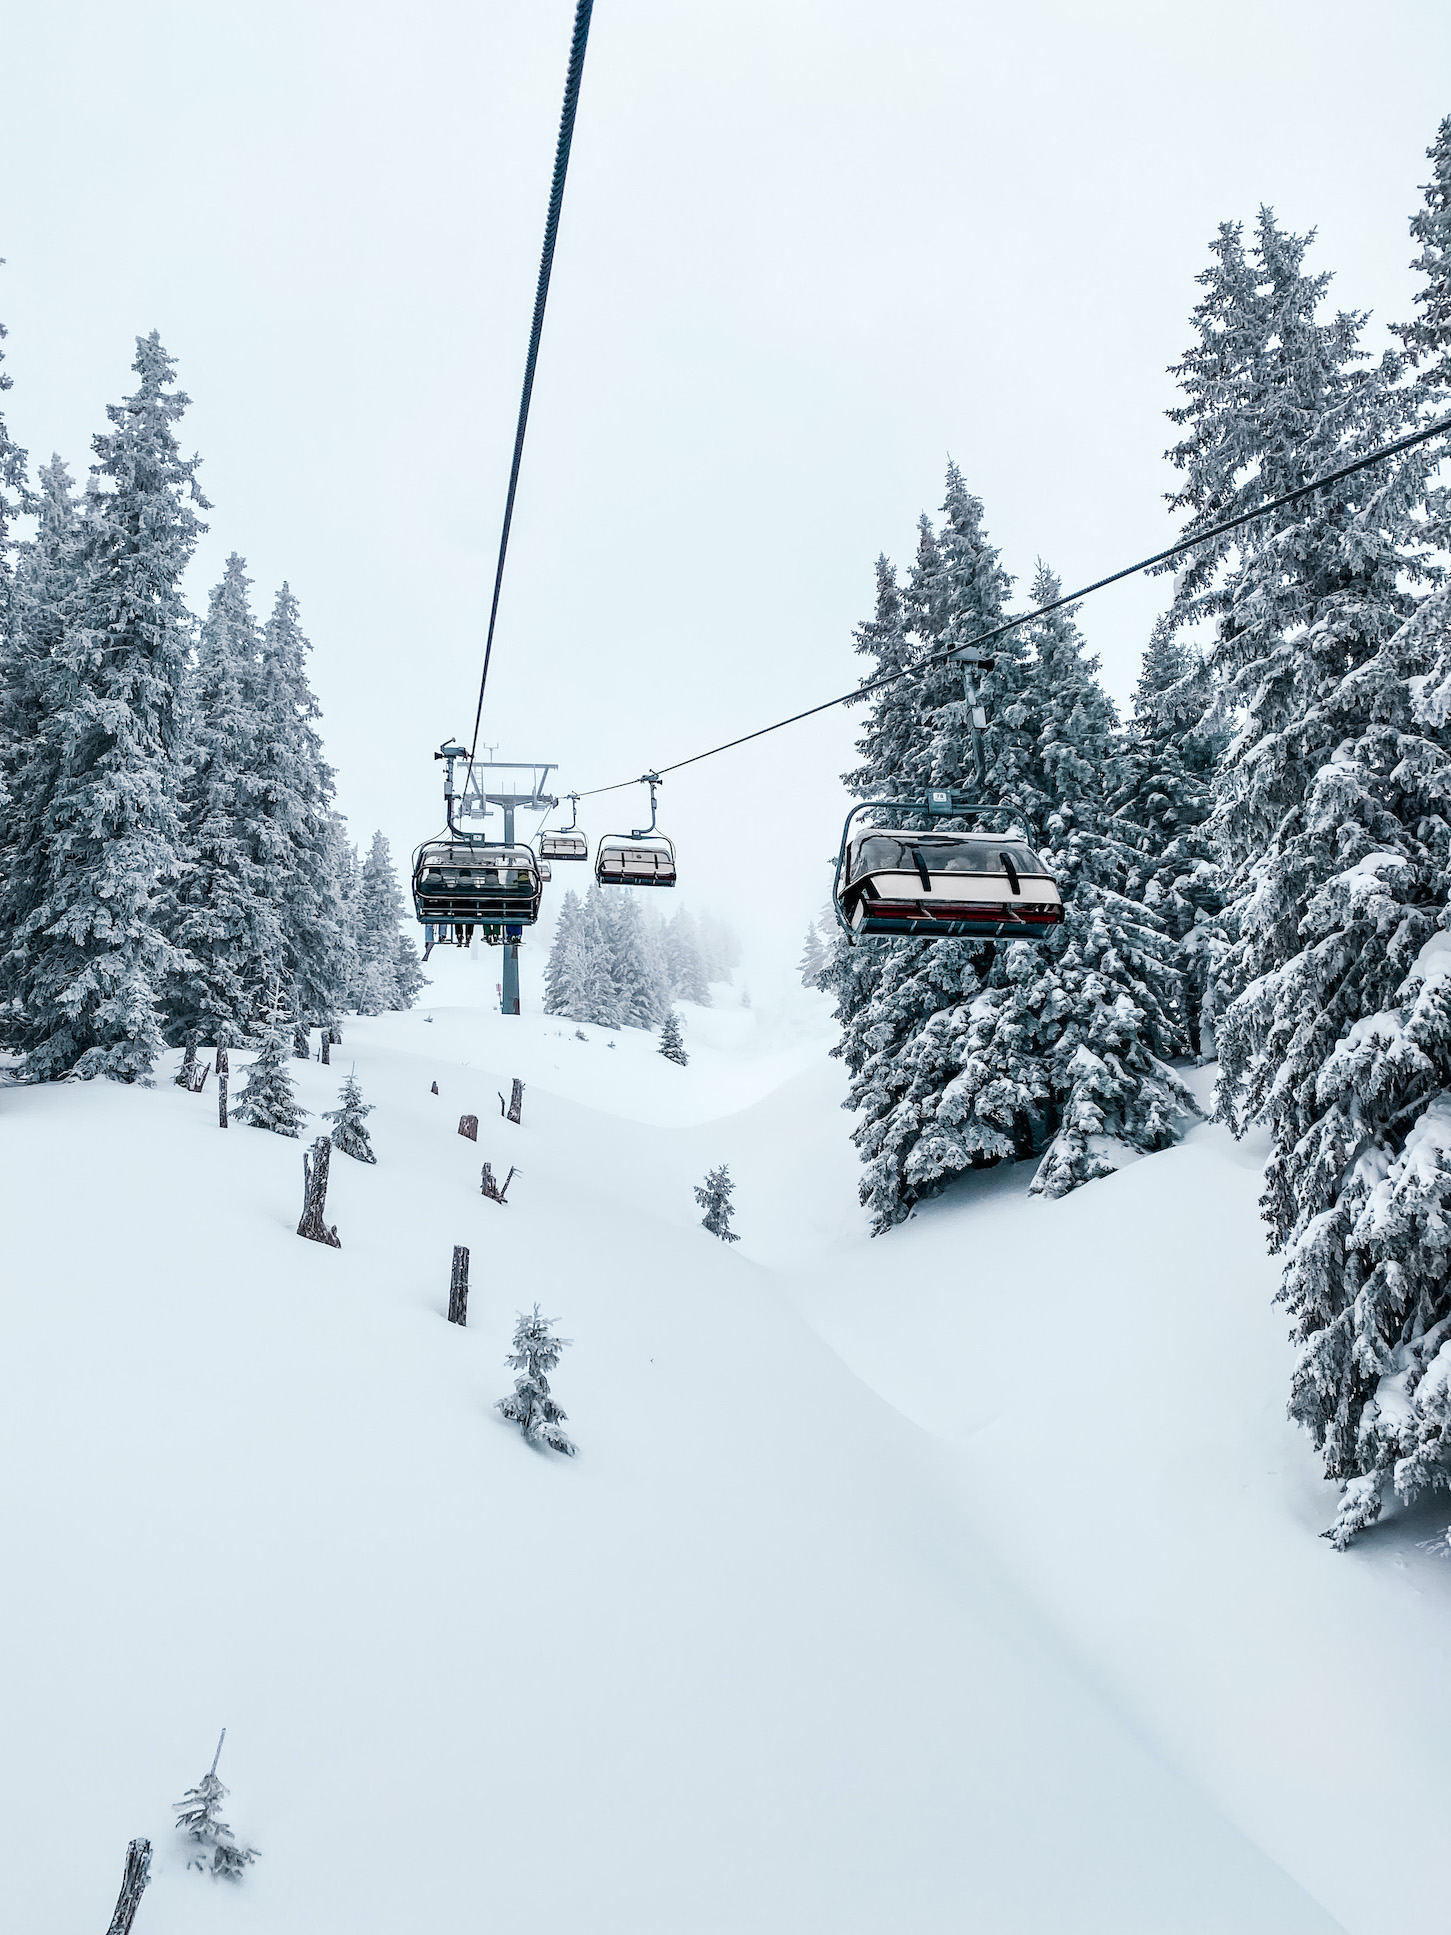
{"x":976,"y":885}
{"x":642,"y":858}
{"x":461,"y":884}
{"x":566,"y":842}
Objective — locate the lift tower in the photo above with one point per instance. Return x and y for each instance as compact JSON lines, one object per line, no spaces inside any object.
{"x":474,"y":803}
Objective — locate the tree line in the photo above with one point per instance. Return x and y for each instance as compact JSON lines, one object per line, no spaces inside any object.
{"x":1254,"y":865}
{"x":172,"y":865}
{"x":620,"y":965}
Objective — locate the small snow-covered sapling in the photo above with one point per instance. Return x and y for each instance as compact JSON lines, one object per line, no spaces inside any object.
{"x":536,"y":1352}
{"x":672,"y":1041}
{"x":267,"y":1101}
{"x":349,"y":1119}
{"x":198,"y":1816}
{"x":714,"y":1197}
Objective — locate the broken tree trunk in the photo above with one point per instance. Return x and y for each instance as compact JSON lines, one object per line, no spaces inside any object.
{"x":434,"y":1089}
{"x":516,"y":1102}
{"x":186,"y":1074}
{"x":458,"y":1286}
{"x":221,"y":1088}
{"x":327,"y":1047}
{"x":469,"y":1125}
{"x":133,"y":1886}
{"x":491,"y":1189}
{"x":314,"y":1176}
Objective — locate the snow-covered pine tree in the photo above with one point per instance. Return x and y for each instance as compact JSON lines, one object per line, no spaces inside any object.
{"x":585,"y":988}
{"x":14,"y":495}
{"x":535,"y":1354}
{"x":216,"y":911}
{"x":40,"y":606}
{"x":566,"y":922}
{"x":1332,"y":806}
{"x":380,"y":917}
{"x":296,"y":833}
{"x":965,"y":1053}
{"x":672,"y":1041}
{"x":714,"y":1197}
{"x":813,"y":957}
{"x":198,"y":1816}
{"x":637,"y":961}
{"x":87,"y":957}
{"x":350,"y":1121}
{"x":684,"y":961}
{"x":1163,"y":801}
{"x":268,"y":1101}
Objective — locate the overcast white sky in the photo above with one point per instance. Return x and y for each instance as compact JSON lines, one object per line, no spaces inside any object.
{"x":808,"y":251}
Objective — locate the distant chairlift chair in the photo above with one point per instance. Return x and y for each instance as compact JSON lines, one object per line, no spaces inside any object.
{"x":566,"y":842}
{"x":646,"y":858}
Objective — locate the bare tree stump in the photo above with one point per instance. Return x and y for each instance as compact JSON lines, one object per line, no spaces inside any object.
{"x":434,"y":1089}
{"x":327,"y":1047}
{"x":133,"y":1886}
{"x":516,"y":1102}
{"x":221,"y":1088}
{"x":186,"y":1074}
{"x":314,"y":1175}
{"x":488,"y":1187}
{"x":458,"y":1286}
{"x":469,"y":1125}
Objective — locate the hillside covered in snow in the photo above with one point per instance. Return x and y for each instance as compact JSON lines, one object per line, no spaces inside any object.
{"x":965,"y":1577}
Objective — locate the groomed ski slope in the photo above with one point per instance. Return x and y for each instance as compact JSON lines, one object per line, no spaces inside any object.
{"x":962,"y":1579}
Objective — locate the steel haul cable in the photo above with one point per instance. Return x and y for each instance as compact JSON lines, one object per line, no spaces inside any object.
{"x":1438,"y":429}
{"x":582,"y":12}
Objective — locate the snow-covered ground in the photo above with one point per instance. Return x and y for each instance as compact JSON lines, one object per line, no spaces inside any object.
{"x":966,"y":1578}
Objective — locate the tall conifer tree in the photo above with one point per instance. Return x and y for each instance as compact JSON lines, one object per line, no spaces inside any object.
{"x":88,"y":957}
{"x":1332,"y":806}
{"x":218,"y":911}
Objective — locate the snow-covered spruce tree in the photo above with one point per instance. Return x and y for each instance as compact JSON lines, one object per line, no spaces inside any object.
{"x":40,"y":605}
{"x":268,"y":1100}
{"x":350,"y":1121}
{"x":714,"y":1197}
{"x":295,"y":829}
{"x":383,"y":946}
{"x":87,"y":957}
{"x":583,"y":985}
{"x":672,"y":1041}
{"x":216,"y":911}
{"x":1332,"y":806}
{"x":536,"y":1352}
{"x":966,"y":1053}
{"x":684,"y":963}
{"x":565,"y":924}
{"x":637,"y":961}
{"x":198,"y":1817}
{"x":1162,"y":802}
{"x":14,"y":495}
{"x":813,"y":957}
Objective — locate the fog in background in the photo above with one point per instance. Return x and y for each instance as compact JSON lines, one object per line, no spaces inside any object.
{"x":808,"y":250}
